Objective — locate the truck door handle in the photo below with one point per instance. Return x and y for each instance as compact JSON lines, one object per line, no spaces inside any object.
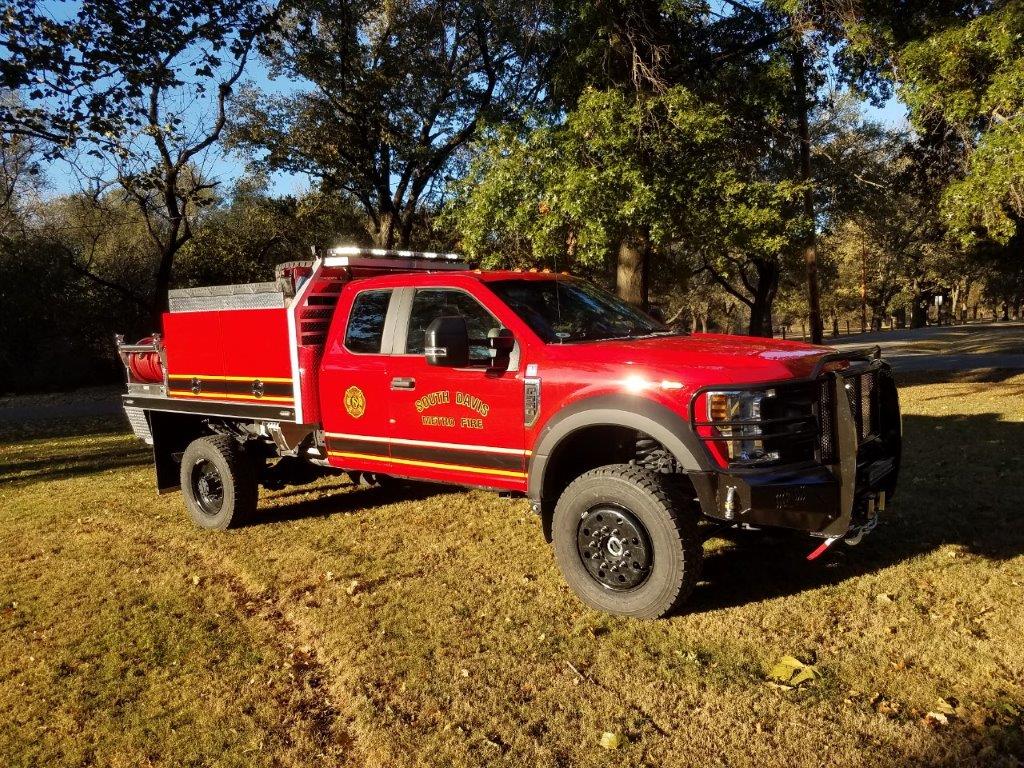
{"x":402,"y":382}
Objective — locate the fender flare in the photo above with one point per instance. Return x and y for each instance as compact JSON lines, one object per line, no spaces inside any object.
{"x":668,"y":427}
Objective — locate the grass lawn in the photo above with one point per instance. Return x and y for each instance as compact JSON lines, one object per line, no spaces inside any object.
{"x":430,"y":627}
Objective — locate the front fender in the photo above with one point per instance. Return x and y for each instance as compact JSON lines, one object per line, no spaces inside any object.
{"x":669,"y":428}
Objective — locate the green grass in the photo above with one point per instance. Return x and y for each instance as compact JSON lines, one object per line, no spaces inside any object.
{"x":128,"y":637}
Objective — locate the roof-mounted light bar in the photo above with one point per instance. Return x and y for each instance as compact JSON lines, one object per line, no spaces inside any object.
{"x":354,"y":255}
{"x":356,"y":250}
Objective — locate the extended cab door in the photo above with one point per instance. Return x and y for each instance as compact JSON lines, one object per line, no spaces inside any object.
{"x":353,"y":383}
{"x":461,"y":425}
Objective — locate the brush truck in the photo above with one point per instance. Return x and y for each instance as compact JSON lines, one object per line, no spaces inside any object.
{"x":633,"y":442}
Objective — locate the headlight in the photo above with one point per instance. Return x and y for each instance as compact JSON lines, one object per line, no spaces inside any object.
{"x":735,"y":421}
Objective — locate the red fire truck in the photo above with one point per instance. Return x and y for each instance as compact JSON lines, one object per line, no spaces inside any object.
{"x":633,"y":442}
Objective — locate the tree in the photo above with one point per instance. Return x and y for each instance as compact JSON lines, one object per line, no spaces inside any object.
{"x":396,"y":90}
{"x":135,"y":93}
{"x":620,"y":174}
{"x":957,"y":67}
{"x":968,"y":76}
{"x":243,"y":238}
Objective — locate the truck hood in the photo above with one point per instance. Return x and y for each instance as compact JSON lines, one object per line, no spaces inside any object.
{"x":719,"y":357}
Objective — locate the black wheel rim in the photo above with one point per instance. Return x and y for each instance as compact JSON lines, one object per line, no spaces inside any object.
{"x":614,"y":547}
{"x":207,"y":487}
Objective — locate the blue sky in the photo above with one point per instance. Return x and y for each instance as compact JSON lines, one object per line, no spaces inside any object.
{"x":226,"y":168}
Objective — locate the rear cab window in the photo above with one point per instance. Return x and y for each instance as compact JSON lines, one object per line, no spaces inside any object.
{"x":364,"y":333}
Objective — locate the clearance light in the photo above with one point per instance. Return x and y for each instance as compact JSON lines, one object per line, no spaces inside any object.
{"x":718,"y":406}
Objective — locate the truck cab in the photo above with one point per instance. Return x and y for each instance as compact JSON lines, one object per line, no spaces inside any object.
{"x":632,"y":441}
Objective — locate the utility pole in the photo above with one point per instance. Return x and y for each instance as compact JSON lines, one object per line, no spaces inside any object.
{"x":810,"y":249}
{"x":863,"y":287}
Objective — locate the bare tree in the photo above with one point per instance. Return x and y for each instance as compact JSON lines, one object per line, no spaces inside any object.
{"x":133,"y":92}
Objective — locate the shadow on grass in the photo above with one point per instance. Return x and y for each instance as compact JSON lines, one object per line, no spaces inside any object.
{"x":15,"y":430}
{"x":959,"y":484}
{"x":40,"y":460}
{"x":352,"y":500}
{"x":67,"y":467}
{"x":960,"y":480}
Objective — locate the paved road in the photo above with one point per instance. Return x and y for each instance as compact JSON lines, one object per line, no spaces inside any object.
{"x":946,"y":348}
{"x":88,"y":403}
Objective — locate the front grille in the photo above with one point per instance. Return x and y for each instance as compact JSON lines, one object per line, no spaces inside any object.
{"x":867,"y":404}
{"x":791,"y":426}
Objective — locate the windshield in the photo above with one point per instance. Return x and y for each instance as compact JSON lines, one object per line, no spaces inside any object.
{"x":560,"y":311}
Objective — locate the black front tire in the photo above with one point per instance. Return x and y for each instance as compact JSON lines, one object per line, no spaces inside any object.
{"x":674,"y":550}
{"x":218,"y":480}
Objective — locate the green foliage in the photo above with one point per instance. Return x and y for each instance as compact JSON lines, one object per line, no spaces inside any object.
{"x":971,"y":76}
{"x":242,"y":240}
{"x":616,"y":165}
{"x":135,"y":94}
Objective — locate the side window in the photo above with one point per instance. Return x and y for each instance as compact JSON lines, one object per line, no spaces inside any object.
{"x":365,"y":331}
{"x":431,"y":303}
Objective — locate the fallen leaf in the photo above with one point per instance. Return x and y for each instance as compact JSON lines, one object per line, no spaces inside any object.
{"x":790,"y":671}
{"x":947,"y":706}
{"x":611,"y":740}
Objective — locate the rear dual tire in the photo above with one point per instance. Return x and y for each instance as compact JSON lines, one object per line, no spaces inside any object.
{"x":627,"y":542}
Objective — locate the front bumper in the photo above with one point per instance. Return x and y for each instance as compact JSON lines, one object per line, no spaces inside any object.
{"x":823,"y":499}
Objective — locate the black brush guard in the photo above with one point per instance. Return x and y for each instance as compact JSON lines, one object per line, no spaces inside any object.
{"x":850,"y":445}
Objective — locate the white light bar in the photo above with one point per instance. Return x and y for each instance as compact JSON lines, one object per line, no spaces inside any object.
{"x":355,"y":250}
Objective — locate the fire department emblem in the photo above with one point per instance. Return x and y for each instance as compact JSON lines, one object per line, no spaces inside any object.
{"x":355,"y":402}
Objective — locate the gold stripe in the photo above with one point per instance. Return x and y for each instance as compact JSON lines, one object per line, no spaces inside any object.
{"x":429,"y":464}
{"x":226,"y":396}
{"x":205,"y":377}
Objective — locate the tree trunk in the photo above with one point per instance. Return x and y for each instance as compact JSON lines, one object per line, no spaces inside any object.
{"x":161,"y":287}
{"x":384,"y":233}
{"x":919,"y":310}
{"x":863,"y":290}
{"x":810,"y":246}
{"x":631,"y":270}
{"x":901,"y":317}
{"x":764,"y":299}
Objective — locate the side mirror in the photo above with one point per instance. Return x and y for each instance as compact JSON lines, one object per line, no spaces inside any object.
{"x":446,"y":342}
{"x":501,"y":343}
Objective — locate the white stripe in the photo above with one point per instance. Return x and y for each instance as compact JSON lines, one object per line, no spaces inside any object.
{"x":431,"y":444}
{"x":293,"y":339}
